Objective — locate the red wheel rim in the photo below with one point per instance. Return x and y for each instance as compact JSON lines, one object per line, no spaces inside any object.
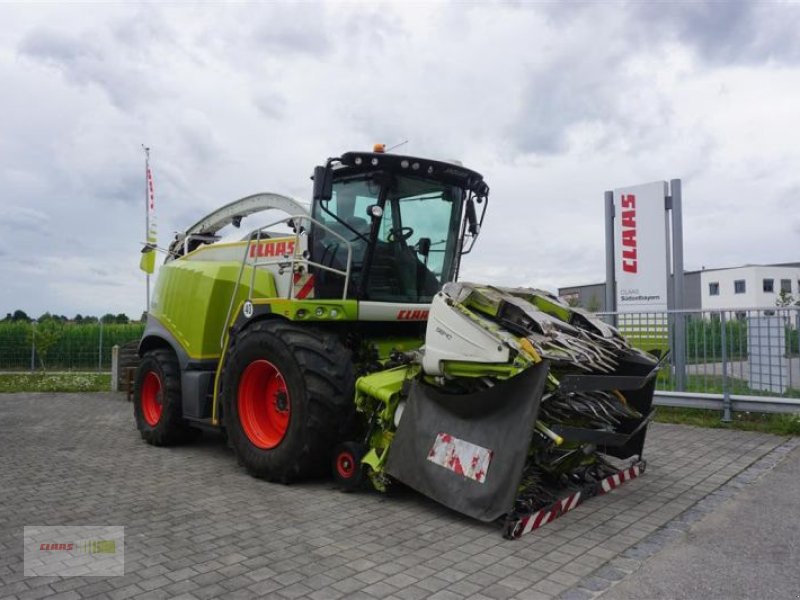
{"x":152,"y":405}
{"x":264,"y":406}
{"x":345,"y":465}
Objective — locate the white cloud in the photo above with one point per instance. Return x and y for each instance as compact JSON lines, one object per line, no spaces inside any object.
{"x":552,"y":103}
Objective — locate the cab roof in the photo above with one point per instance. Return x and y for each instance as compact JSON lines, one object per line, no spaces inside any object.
{"x":414,"y":166}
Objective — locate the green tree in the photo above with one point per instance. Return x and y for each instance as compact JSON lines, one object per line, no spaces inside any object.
{"x":19,"y":315}
{"x":44,"y":335}
{"x":122,"y":319}
{"x":108,"y":318}
{"x":785,"y":298}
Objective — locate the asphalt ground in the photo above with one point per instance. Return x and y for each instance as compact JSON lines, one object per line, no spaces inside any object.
{"x":748,"y":547}
{"x":197,"y":526}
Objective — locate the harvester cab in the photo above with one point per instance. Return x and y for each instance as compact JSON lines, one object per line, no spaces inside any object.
{"x":343,"y":339}
{"x":408,"y":220}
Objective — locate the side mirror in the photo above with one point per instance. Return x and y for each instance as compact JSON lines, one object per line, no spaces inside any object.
{"x":323,"y":183}
{"x":424,"y":246}
{"x":472,"y":219}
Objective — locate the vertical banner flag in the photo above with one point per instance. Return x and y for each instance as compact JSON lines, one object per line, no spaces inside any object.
{"x":148,"y":261}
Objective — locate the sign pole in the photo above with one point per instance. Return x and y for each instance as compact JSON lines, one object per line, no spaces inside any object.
{"x":677,"y":279}
{"x":611,"y":292}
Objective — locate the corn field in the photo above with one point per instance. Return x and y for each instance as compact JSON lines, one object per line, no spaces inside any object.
{"x":55,"y":346}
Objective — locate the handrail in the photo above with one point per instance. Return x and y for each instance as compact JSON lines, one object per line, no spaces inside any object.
{"x":286,"y":261}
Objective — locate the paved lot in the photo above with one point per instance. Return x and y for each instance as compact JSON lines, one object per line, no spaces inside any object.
{"x":749,"y":547}
{"x":196,"y":525}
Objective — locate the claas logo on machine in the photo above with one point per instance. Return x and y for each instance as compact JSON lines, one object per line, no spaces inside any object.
{"x":412,"y":315}
{"x":273,"y":248}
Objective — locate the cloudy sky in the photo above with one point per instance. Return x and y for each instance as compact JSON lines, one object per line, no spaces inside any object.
{"x":553,"y":103}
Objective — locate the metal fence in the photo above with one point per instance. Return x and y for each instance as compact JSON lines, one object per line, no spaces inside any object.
{"x":62,"y":346}
{"x":734,"y":359}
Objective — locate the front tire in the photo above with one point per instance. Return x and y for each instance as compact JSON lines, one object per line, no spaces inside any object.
{"x":157,"y":399}
{"x":287,"y":399}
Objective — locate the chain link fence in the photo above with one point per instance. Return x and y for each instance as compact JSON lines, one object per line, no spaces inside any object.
{"x":750,"y":352}
{"x":62,"y":346}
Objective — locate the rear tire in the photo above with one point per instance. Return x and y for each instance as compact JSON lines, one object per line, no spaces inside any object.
{"x":287,"y":399}
{"x":157,"y":399}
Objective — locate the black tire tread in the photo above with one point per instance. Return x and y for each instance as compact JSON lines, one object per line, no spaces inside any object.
{"x":172,"y":429}
{"x":328,"y":377}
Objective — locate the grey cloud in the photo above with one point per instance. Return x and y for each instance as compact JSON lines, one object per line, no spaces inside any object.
{"x":125,"y":186}
{"x":21,"y":218}
{"x":56,"y":48}
{"x":294,"y":29}
{"x":594,"y":92}
{"x":736,"y":31}
{"x":199,"y":142}
{"x":270,"y":104}
{"x":373,"y":29}
{"x":146,"y":26}
{"x":87,"y":59}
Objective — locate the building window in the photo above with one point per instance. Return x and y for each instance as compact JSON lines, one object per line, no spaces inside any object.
{"x":769,"y":285}
{"x":786,"y":286}
{"x":713,"y":288}
{"x":739,"y":287}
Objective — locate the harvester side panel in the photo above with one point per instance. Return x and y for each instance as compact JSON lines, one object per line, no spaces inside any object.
{"x":496,"y":425}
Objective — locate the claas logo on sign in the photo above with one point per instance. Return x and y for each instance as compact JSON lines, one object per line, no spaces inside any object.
{"x":629,"y":260}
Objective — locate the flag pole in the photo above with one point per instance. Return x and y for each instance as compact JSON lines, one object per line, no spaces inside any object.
{"x":147,"y":212}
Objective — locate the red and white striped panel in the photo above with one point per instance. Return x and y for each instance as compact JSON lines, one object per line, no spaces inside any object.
{"x":544,"y":516}
{"x":303,"y":286}
{"x":566,"y":504}
{"x":617,"y":479}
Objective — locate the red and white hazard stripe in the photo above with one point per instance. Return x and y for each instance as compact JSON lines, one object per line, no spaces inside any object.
{"x":550,"y":513}
{"x":617,"y":479}
{"x":544,"y":516}
{"x":306,"y":286}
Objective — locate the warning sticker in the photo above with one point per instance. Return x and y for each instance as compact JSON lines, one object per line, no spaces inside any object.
{"x":461,"y":457}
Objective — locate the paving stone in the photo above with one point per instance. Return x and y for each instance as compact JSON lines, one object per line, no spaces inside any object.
{"x":499,"y":592}
{"x":215,"y":532}
{"x":595,"y":584}
{"x":577,"y":594}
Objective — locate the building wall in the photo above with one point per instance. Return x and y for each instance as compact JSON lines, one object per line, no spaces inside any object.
{"x":590,"y":297}
{"x":696,"y":288}
{"x":594,"y":294}
{"x":753,"y":277}
{"x":692,"y":290}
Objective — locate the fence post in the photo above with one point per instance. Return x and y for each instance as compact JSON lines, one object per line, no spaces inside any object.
{"x":100,"y":349}
{"x":726,"y":397}
{"x":33,"y":346}
{"x":680,"y":351}
{"x":114,"y":368}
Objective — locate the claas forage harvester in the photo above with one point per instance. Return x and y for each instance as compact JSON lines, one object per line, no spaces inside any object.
{"x":340,"y":338}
